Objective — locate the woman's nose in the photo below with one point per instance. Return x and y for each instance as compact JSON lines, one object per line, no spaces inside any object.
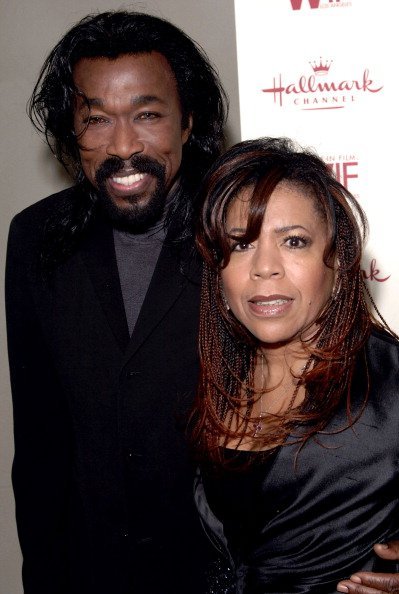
{"x":266,"y":261}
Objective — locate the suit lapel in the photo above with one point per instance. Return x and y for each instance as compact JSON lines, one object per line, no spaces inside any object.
{"x":98,"y":253}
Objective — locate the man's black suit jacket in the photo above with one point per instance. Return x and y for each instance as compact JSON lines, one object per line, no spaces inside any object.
{"x":101,"y":474}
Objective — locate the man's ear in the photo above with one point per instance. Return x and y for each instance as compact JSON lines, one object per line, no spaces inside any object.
{"x":185,"y":135}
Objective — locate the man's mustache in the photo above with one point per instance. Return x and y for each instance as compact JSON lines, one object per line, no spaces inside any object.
{"x":140,"y":164}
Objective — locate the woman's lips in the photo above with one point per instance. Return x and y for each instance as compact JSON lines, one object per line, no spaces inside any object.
{"x":270,"y":306}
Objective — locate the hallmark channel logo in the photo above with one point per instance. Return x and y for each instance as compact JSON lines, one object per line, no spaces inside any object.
{"x":299,"y":4}
{"x":371,"y":272}
{"x":318,"y":89}
{"x":321,"y":68}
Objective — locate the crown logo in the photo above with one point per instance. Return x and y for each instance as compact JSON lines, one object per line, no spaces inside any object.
{"x":321,"y":68}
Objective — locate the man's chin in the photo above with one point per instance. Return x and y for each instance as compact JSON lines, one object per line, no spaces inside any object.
{"x":132,"y":216}
{"x":128,"y":201}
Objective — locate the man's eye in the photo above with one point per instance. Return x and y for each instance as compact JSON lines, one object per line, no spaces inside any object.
{"x":94,"y":120}
{"x":148,"y":115}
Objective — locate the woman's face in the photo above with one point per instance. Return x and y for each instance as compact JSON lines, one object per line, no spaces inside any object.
{"x":277,"y":285}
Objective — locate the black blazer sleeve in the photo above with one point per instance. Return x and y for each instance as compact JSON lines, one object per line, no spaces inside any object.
{"x":42,"y":452}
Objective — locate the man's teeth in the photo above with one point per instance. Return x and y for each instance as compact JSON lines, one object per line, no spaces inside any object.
{"x":128,"y":180}
{"x":273,"y":302}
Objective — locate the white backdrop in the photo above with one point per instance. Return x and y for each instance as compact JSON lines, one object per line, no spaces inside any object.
{"x":324,"y":72}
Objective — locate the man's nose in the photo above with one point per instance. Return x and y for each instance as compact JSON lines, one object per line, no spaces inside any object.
{"x":124,"y":141}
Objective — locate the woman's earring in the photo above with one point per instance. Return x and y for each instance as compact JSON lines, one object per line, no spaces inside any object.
{"x":226,"y":305}
{"x":337,"y":282}
{"x":335,"y":290}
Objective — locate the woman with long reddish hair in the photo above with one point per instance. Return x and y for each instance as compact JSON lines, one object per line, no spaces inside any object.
{"x":296,"y":422}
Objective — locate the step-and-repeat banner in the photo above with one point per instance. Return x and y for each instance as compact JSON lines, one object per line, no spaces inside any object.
{"x":325,"y":73}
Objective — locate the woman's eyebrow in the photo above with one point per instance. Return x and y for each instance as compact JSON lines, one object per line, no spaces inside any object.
{"x":287,"y":228}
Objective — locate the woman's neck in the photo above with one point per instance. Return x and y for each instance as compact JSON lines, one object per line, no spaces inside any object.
{"x":276,"y":364}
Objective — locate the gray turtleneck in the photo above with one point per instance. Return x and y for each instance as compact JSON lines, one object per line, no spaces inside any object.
{"x":136,"y":256}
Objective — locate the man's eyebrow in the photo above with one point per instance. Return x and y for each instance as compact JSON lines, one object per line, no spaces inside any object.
{"x":139,"y":100}
{"x":95,"y":102}
{"x":144,"y":99}
{"x":88,"y":101}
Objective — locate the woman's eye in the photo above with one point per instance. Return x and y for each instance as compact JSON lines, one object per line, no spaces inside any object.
{"x":241,"y":246}
{"x":295,"y":241}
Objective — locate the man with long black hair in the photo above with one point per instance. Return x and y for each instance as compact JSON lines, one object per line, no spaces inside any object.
{"x":102,"y":291}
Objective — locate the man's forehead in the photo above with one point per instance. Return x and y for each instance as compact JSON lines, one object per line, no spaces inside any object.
{"x":101,"y":61}
{"x":148,"y":75}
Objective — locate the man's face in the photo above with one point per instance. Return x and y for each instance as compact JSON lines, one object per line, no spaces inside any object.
{"x":128,"y":121}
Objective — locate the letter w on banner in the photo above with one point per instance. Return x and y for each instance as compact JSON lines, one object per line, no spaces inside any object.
{"x":297,"y":4}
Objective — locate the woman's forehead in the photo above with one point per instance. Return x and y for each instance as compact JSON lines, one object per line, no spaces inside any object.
{"x":241,"y":204}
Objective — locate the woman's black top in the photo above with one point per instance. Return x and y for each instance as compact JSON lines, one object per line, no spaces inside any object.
{"x":301,"y":523}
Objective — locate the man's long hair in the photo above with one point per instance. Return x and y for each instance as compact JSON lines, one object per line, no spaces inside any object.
{"x":228,"y":351}
{"x":112,"y":34}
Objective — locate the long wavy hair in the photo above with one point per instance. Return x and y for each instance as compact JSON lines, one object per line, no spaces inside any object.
{"x":227,"y":350}
{"x":51,"y":107}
